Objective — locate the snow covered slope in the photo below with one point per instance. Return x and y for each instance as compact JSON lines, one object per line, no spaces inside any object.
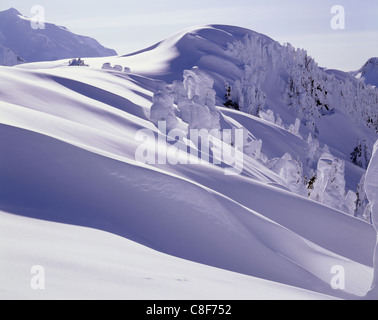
{"x":68,"y":155}
{"x":115,"y":268}
{"x":51,"y":43}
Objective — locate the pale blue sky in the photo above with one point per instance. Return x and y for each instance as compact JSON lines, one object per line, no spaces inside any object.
{"x":128,"y":26}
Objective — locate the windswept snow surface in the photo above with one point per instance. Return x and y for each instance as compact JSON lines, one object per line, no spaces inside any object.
{"x":68,"y":156}
{"x":83,"y":263}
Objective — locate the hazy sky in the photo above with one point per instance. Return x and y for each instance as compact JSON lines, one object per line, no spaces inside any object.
{"x":130,"y":25}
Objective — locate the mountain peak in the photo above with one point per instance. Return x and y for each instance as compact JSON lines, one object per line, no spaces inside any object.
{"x":11,"y":11}
{"x":369,"y":72}
{"x":373,"y":61}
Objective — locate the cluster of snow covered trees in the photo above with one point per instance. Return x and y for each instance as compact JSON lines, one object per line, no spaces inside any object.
{"x":310,"y":91}
{"x":329,"y":185}
{"x":192,"y":100}
{"x":76,"y":62}
{"x":191,"y":104}
{"x":360,"y":101}
{"x":361,"y":154}
{"x":117,"y":67}
{"x":325,"y":183}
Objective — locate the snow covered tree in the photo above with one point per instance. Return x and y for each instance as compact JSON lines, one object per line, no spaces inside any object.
{"x":194,"y":98}
{"x":310,"y":92}
{"x":202,"y":113}
{"x":310,"y":184}
{"x":162,"y":109}
{"x":294,"y":128}
{"x":246,"y":92}
{"x":361,"y":200}
{"x":361,"y":154}
{"x":291,"y":171}
{"x":307,"y":91}
{"x":312,"y":150}
{"x":254,"y":149}
{"x":228,"y":97}
{"x":329,"y":187}
{"x":76,"y":62}
{"x":371,"y":189}
{"x":248,"y":96}
{"x":267,"y":116}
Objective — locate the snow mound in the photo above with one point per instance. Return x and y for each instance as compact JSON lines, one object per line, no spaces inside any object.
{"x":116,"y":268}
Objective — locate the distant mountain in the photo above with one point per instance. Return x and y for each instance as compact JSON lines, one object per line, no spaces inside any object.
{"x":20,"y":43}
{"x":369,"y":72}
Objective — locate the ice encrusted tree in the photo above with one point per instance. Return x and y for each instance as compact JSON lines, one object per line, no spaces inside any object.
{"x":361,"y":154}
{"x":291,"y":171}
{"x":192,"y":100}
{"x":162,"y":108}
{"x":312,"y":150}
{"x":229,"y":103}
{"x":253,"y":54}
{"x":362,"y":201}
{"x":307,"y":93}
{"x":254,"y":149}
{"x":313,"y":93}
{"x":76,"y":62}
{"x":329,"y":186}
{"x":294,"y":128}
{"x":271,"y":117}
{"x":371,"y":189}
{"x":200,"y":96}
{"x":267,"y":116}
{"x":360,"y":101}
{"x":195,"y":99}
